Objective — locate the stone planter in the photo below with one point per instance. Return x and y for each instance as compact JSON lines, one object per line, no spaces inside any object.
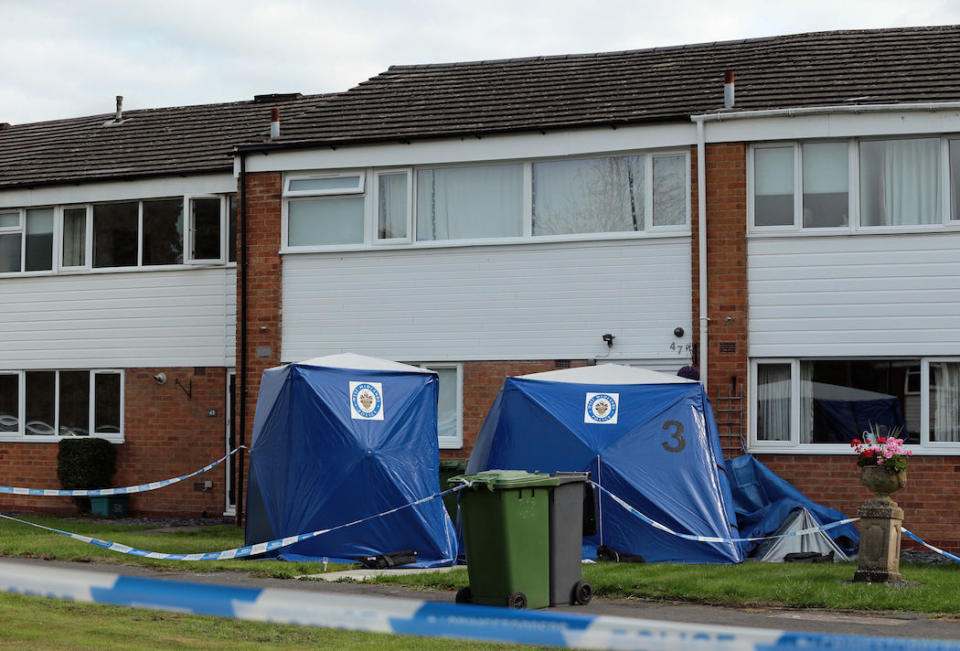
{"x":882,"y":482}
{"x":880,"y":521}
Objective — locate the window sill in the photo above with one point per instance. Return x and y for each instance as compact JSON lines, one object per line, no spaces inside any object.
{"x":501,"y":241}
{"x":116,"y":270}
{"x":775,"y":231}
{"x":451,"y":445}
{"x":942,"y":450}
{"x":17,"y":438}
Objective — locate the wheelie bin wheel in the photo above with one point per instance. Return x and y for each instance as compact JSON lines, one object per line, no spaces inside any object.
{"x":464,"y":596}
{"x":582,"y":593}
{"x":517,"y":600}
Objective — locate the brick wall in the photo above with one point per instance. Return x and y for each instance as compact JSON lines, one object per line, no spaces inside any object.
{"x":167,"y":434}
{"x":264,"y":291}
{"x":832,"y":480}
{"x":928,"y":500}
{"x":726,"y":276}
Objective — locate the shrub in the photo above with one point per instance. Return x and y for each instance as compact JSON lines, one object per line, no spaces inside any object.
{"x":85,"y":463}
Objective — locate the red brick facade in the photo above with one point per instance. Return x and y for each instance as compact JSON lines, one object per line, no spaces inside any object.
{"x":167,"y":434}
{"x":832,"y":480}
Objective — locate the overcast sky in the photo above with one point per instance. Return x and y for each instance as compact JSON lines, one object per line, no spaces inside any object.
{"x":67,"y":58}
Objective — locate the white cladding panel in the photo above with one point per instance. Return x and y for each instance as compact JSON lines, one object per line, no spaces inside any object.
{"x":856,"y":295}
{"x":550,"y":301}
{"x":119,"y":320}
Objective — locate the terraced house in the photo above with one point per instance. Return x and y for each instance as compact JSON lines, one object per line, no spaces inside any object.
{"x":782,"y":213}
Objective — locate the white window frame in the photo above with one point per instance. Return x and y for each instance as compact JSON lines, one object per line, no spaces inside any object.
{"x":946,"y":176}
{"x":947,"y":223}
{"x":88,"y":237}
{"x":793,"y":440}
{"x":649,"y":225}
{"x":22,"y":437}
{"x":306,"y":194}
{"x":371,"y":218}
{"x":793,"y":446}
{"x":449,"y":442}
{"x":20,"y":229}
{"x":374,"y":228}
{"x":21,"y":407}
{"x":340,"y":174}
{"x":190,"y":230}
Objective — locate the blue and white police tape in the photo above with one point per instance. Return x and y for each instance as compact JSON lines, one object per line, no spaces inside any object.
{"x":227,"y":554}
{"x":126,"y":490}
{"x":415,"y":617}
{"x":931,"y":547}
{"x":716,"y":539}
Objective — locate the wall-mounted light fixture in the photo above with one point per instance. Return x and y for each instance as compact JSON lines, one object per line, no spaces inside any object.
{"x":161,"y":378}
{"x":608,"y":339}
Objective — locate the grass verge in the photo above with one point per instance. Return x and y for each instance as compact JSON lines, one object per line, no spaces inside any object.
{"x":22,"y":541}
{"x":794,"y":585}
{"x":40,"y":623}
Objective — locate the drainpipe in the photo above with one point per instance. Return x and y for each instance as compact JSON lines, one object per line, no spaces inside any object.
{"x":702,"y":247}
{"x":242,"y":264}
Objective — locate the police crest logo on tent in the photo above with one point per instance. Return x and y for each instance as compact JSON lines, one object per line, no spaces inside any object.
{"x":602,"y":408}
{"x":366,"y":400}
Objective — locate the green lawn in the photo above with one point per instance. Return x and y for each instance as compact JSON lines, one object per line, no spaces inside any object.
{"x":796,"y":585}
{"x":749,"y":584}
{"x":22,"y":541}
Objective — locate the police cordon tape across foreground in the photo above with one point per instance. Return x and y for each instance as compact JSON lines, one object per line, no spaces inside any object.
{"x":260,"y":548}
{"x":415,"y":617}
{"x":238,"y":552}
{"x":126,"y":490}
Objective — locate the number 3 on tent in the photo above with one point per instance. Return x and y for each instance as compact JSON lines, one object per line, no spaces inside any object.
{"x":677,"y":435}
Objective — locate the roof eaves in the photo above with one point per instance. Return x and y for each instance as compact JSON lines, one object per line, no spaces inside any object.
{"x":333,"y":143}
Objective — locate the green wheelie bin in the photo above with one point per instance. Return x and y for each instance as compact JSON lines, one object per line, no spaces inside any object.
{"x":506,"y":516}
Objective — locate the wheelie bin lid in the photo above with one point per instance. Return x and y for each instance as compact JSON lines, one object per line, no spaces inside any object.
{"x":505,"y":479}
{"x":571,"y":477}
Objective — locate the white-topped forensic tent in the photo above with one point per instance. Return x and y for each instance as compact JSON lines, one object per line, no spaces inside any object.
{"x":340,"y":438}
{"x":647,"y":437}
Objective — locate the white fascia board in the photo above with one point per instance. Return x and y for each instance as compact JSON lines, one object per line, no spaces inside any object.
{"x":552,"y":144}
{"x":832,"y":125}
{"x":171,"y":186}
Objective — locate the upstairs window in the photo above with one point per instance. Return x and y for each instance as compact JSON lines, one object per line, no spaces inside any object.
{"x":955,"y":180}
{"x":394,"y":208}
{"x":826,"y":196}
{"x":485,"y":203}
{"x":11,"y":241}
{"x":232,"y":227}
{"x":900,"y":182}
{"x":116,"y":234}
{"x":162,"y":232}
{"x":474,"y":202}
{"x":26,"y":240}
{"x":325,"y":210}
{"x":74,"y":237}
{"x":594,"y":195}
{"x":773,"y":186}
{"x":206,"y":231}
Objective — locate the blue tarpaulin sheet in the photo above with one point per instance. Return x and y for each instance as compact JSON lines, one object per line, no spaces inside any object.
{"x":647,"y":437}
{"x":763,"y":500}
{"x":344,"y":437}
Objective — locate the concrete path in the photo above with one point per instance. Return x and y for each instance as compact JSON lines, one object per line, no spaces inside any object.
{"x":853,"y":623}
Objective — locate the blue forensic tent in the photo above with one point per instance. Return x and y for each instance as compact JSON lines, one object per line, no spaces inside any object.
{"x":647,"y":437}
{"x":763,"y":500}
{"x":340,"y":438}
